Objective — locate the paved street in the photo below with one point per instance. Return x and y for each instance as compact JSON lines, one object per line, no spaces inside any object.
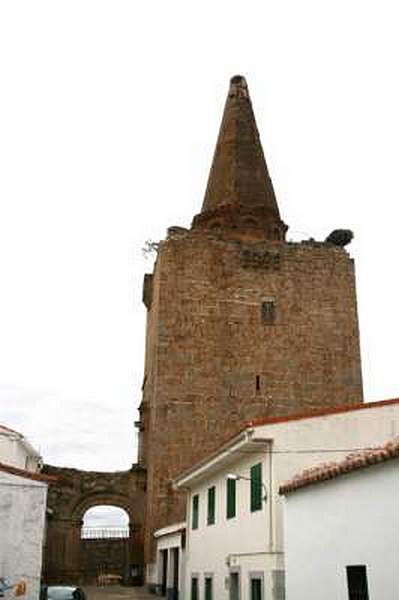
{"x":116,"y":592}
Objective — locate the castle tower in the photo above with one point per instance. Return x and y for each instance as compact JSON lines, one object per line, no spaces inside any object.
{"x":241,"y":323}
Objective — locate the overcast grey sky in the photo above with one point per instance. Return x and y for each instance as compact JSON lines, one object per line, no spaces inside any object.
{"x":109,"y":113}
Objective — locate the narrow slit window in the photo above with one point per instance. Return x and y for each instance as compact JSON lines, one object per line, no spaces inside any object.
{"x":357,"y":582}
{"x":268,"y":311}
{"x":257,"y":383}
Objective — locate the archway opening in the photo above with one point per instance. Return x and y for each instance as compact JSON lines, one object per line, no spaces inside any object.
{"x":104,"y":522}
{"x":106,"y":545}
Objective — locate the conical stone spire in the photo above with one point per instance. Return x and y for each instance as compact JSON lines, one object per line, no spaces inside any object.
{"x":240,"y":193}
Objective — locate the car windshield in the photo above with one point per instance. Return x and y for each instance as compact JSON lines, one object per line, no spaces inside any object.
{"x":61,"y":593}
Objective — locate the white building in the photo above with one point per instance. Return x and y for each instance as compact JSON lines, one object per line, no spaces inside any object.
{"x":15,"y":450}
{"x":171,"y":542}
{"x":23,"y":496}
{"x":234,"y":546}
{"x":341,"y":528}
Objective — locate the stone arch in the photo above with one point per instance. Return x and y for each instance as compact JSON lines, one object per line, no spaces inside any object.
{"x":106,"y":499}
{"x":250,"y":222}
{"x":75,"y":491}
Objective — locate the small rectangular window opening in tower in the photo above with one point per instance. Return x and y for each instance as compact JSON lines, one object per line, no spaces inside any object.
{"x":357,"y":582}
{"x":268,"y":312}
{"x":258,"y":383}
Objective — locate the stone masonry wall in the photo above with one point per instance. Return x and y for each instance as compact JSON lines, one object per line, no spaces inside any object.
{"x":236,"y":330}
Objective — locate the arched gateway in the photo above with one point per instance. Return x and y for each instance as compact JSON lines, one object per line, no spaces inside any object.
{"x":71,"y":559}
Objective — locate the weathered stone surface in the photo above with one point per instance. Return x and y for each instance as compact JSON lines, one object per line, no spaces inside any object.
{"x":67,"y":556}
{"x":241,"y":323}
{"x":207,"y":344}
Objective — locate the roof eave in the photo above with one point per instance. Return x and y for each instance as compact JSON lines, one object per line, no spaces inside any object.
{"x":223,"y":456}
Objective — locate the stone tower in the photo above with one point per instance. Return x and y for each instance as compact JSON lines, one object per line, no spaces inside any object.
{"x":241,"y":323}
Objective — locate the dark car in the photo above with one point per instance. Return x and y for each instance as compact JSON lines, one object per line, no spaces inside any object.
{"x":63,"y":592}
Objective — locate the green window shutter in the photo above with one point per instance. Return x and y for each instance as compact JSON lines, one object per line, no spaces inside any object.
{"x":256,"y":487}
{"x":256,"y":588}
{"x":231,"y":498}
{"x":194,"y":588}
{"x":211,"y":505}
{"x":194,"y":522}
{"x":208,"y":588}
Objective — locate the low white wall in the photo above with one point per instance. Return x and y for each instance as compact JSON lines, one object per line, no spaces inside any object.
{"x":351,"y":520}
{"x":22,"y":520}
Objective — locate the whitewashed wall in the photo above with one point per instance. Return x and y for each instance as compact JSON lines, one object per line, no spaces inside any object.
{"x":167,"y":540}
{"x":255,"y":541}
{"x":351,"y":520}
{"x":16,"y":451}
{"x":22,"y":520}
{"x":307,"y":442}
{"x":239,"y":543}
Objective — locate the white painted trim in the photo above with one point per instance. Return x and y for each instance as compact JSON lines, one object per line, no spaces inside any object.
{"x":175,"y":528}
{"x":217,"y":460}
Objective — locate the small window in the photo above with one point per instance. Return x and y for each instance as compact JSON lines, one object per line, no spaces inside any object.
{"x":268,"y":311}
{"x":215,"y":225}
{"x":276,"y":233}
{"x":256,"y":487}
{"x":357,"y":582}
{"x":195,"y":515}
{"x":211,"y":506}
{"x":231,"y":498}
{"x":208,"y":588}
{"x":194,"y":588}
{"x":250,"y":222}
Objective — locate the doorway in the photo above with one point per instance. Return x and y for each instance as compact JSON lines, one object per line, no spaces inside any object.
{"x":175,"y":581}
{"x":234,"y":586}
{"x":164,"y":581}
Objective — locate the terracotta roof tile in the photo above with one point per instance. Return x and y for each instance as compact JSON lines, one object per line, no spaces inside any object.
{"x":27,"y":474}
{"x":334,"y":410}
{"x":352,"y":462}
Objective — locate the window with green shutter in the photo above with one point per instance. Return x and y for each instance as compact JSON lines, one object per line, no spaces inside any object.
{"x":231,"y":498}
{"x":195,"y":512}
{"x":211,"y":505}
{"x":256,"y":588}
{"x":208,"y":588}
{"x":194,"y":588}
{"x":256,"y":487}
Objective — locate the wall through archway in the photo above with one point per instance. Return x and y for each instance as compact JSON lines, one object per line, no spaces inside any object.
{"x":105,"y":543}
{"x":71,"y":558}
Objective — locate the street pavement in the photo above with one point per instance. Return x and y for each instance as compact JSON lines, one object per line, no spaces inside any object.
{"x":117,"y":592}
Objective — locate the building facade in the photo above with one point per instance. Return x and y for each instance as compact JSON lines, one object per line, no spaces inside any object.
{"x":341,"y":523}
{"x":240,"y":323}
{"x":16,"y":451}
{"x":22,"y":525}
{"x":236,"y":531}
{"x":171,"y":561}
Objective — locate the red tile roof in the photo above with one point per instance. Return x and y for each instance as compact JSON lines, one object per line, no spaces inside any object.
{"x":334,"y":410}
{"x":27,"y":474}
{"x":353,"y":462}
{"x":310,"y":414}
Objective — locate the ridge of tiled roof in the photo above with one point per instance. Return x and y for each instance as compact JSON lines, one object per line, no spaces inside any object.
{"x":333,"y":410}
{"x":9,"y":429}
{"x":352,"y":462}
{"x":27,"y":474}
